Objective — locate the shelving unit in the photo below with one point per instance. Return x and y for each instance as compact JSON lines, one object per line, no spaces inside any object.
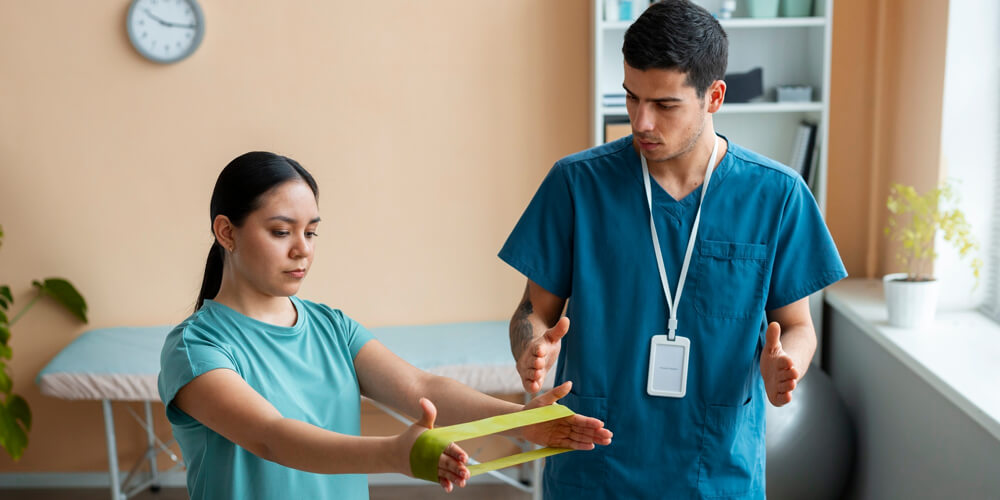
{"x":791,"y":50}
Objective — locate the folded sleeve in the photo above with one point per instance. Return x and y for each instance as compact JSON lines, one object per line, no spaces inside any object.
{"x":806,"y":259}
{"x":186,"y":355}
{"x":541,"y":245}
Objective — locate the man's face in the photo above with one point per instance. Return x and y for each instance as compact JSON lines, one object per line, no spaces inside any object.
{"x":666,"y":114}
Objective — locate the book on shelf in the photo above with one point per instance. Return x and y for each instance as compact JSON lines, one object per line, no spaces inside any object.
{"x":804,"y":150}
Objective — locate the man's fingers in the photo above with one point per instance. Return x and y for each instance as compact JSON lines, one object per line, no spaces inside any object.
{"x":772,"y":339}
{"x":786,"y":386}
{"x":556,"y":333}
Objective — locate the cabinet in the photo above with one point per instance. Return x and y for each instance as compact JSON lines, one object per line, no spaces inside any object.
{"x":790,"y":50}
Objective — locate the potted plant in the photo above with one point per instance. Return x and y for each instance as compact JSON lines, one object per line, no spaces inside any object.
{"x":914,"y":219}
{"x":15,"y":414}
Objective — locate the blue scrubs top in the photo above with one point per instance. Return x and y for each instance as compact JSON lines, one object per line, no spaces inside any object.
{"x":762,"y":244}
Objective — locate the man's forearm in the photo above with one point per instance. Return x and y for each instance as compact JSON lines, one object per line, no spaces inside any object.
{"x":522,"y":330}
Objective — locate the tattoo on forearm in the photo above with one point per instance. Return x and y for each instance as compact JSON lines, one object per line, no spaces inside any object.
{"x":521,"y":331}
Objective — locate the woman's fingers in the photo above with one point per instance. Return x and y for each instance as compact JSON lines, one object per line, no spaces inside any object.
{"x":456,"y":452}
{"x":451,"y":466}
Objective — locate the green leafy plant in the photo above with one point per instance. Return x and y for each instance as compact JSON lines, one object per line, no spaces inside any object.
{"x":914,"y":219}
{"x":15,"y":414}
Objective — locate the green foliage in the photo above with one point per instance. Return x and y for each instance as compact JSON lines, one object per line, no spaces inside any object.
{"x":914,"y":219}
{"x":15,"y":414}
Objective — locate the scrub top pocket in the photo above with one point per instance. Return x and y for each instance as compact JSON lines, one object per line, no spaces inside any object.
{"x":732,"y":455}
{"x":731,"y":279}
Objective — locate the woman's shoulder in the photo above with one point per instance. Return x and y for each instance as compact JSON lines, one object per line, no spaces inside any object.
{"x":337,"y":317}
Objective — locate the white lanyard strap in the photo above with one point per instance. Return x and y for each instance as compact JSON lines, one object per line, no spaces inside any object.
{"x":672,"y":303}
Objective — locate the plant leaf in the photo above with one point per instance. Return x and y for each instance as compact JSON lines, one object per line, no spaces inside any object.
{"x":5,"y":351}
{"x":19,"y":409}
{"x":12,"y":436}
{"x":64,"y":293}
{"x":4,"y":334}
{"x":5,"y":293}
{"x":5,"y":383}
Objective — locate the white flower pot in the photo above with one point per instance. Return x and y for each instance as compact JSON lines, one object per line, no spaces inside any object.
{"x":911,"y":304}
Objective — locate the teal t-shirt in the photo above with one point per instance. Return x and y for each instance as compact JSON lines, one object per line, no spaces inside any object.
{"x":306,"y":371}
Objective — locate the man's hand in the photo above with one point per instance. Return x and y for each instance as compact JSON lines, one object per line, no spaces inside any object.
{"x":578,"y":432}
{"x":777,"y":368}
{"x":540,"y":355}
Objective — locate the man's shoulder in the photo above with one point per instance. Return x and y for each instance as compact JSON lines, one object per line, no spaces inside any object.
{"x":609,"y":152}
{"x":753,"y":162}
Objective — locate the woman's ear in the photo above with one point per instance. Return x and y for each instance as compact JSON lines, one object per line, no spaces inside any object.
{"x":224,"y":232}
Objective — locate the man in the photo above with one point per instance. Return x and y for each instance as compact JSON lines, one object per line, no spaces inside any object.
{"x":674,"y":336}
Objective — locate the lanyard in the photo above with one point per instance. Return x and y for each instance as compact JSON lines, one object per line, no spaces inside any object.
{"x":671,"y":303}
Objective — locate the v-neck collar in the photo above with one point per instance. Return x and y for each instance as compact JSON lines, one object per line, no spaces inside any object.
{"x":661,"y":198}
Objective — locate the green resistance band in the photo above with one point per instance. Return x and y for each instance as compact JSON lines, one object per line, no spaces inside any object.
{"x":426,"y":453}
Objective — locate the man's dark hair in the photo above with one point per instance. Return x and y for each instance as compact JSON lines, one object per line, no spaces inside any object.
{"x":682,"y":36}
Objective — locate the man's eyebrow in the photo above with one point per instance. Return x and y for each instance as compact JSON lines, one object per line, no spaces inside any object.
{"x":290,"y":220}
{"x":661,"y":99}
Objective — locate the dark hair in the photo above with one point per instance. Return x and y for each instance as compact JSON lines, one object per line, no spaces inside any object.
{"x":678,"y":35}
{"x":238,"y":192}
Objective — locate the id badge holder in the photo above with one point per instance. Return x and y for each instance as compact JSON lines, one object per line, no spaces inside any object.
{"x":668,"y":366}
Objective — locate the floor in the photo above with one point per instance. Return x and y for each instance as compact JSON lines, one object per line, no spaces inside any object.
{"x":483,"y":492}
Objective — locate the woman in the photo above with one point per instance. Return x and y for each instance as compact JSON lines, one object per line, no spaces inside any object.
{"x":263,"y":388}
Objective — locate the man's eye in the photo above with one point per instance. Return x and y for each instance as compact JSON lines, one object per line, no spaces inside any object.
{"x":666,"y":106}
{"x":629,"y":97}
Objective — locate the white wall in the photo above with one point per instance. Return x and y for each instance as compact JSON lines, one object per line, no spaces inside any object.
{"x":913,"y":442}
{"x":970,"y":134}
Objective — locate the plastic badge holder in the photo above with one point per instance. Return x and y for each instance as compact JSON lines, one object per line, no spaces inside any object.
{"x":427,"y":449}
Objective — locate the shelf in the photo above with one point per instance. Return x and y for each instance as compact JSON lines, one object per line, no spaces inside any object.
{"x":749,"y":107}
{"x":740,"y":23}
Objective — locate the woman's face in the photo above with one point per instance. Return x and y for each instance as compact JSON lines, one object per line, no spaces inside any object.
{"x":273,"y":250}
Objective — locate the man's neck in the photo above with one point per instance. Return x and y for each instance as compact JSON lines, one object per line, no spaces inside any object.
{"x":681,"y":175}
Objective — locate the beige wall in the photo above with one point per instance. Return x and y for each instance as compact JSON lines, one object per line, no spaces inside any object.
{"x":885,"y":121}
{"x":428,"y":126}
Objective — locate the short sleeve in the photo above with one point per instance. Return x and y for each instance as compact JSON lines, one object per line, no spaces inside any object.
{"x":541,"y":245}
{"x":356,"y":335}
{"x":806,"y":259}
{"x":187,"y":355}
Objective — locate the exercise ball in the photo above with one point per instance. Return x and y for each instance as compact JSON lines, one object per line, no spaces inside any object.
{"x":810,"y":442}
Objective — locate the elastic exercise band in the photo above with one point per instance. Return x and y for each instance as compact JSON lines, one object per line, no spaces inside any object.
{"x":426,"y":452}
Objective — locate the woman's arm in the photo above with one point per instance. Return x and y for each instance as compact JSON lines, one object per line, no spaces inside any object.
{"x":389,"y":379}
{"x":222,"y":401}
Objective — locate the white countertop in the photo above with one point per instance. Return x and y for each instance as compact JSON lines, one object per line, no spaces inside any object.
{"x":959,"y":354}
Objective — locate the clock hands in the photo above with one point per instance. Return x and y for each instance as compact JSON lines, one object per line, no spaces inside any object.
{"x":167,"y":23}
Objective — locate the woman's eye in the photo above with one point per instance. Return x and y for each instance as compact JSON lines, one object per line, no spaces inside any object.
{"x":279,"y":233}
{"x":311,"y":234}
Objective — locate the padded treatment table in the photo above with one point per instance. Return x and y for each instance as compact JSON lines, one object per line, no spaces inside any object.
{"x":122,"y":364}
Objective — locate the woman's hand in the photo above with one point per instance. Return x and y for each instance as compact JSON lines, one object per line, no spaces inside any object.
{"x":578,"y":432}
{"x":451,"y":467}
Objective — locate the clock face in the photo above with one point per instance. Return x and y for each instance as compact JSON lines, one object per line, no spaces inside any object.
{"x":165,"y":31}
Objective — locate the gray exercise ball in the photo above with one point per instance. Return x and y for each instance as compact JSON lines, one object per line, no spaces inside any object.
{"x":810,"y":442}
